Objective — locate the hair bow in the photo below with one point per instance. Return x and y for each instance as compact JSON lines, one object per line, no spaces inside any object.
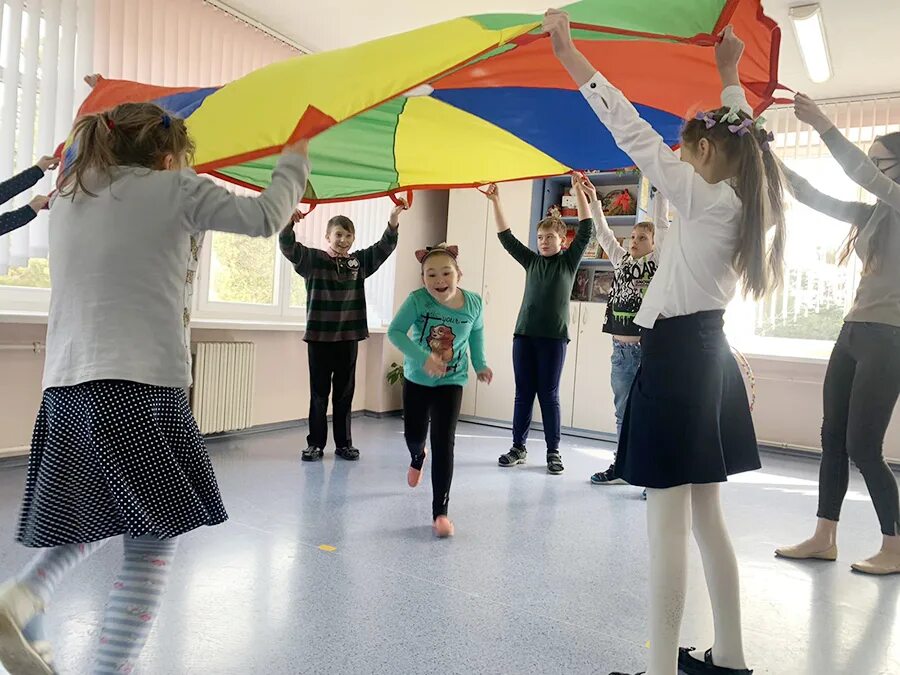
{"x":742,"y":128}
{"x":452,"y":251}
{"x":733,"y":115}
{"x":707,"y":118}
{"x":770,"y":137}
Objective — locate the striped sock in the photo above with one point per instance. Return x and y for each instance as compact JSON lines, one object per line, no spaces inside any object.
{"x":133,"y":603}
{"x":43,"y":574}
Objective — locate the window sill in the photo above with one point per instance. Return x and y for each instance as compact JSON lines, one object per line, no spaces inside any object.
{"x":23,"y":317}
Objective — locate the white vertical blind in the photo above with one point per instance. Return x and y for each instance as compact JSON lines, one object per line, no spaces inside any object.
{"x":370,"y":218}
{"x":38,"y":54}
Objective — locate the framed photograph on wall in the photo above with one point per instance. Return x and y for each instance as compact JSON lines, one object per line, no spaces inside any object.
{"x":601,"y":285}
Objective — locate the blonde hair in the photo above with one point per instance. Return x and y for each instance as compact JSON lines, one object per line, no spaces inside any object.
{"x":759,"y":185}
{"x":131,"y":134}
{"x":554,"y":224}
{"x":647,"y":225}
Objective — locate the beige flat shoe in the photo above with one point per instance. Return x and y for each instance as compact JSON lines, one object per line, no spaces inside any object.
{"x":798,"y":553}
{"x":18,"y":605}
{"x":866,"y":567}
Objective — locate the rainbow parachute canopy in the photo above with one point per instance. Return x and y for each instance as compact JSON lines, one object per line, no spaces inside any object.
{"x":465,"y":102}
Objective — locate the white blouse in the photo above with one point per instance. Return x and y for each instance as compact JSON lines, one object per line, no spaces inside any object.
{"x":696,"y":270}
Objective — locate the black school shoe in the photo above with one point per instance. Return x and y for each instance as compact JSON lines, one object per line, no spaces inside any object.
{"x":312,"y":454}
{"x":688,"y":665}
{"x":349,"y":453}
{"x":643,"y":672}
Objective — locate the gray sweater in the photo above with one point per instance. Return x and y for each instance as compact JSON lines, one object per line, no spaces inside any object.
{"x":878,"y":296}
{"x":124,"y":263}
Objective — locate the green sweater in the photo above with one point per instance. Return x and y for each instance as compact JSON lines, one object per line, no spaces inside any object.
{"x":548,"y":284}
{"x":436,"y":329}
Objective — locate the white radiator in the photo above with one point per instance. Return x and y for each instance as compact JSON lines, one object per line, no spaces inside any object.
{"x":222,"y":394}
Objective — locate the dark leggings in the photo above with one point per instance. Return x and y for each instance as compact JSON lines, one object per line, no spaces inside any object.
{"x":538,"y":365}
{"x":861,"y":387}
{"x":440,"y":406}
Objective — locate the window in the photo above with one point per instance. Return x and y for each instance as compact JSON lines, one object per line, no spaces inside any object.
{"x":39,"y":54}
{"x":804,"y":317}
{"x":249,"y":278}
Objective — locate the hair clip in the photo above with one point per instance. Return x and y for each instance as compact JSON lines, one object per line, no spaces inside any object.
{"x":707,"y":118}
{"x":770,"y":138}
{"x":109,"y":123}
{"x":166,"y":121}
{"x":742,"y":128}
{"x":733,"y":115}
{"x":452,"y":251}
{"x":760,"y":122}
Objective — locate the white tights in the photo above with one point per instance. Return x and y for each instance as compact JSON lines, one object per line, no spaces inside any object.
{"x":670,"y":513}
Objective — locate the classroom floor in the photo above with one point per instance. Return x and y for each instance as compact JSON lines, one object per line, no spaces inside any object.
{"x":546,"y":574}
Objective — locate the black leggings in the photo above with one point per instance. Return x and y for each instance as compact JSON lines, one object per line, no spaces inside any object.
{"x":440,"y":406}
{"x":861,"y":387}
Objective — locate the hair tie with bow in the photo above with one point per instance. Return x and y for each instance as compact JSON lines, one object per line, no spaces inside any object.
{"x":742,"y":128}
{"x":422,"y":254}
{"x":706,"y":118}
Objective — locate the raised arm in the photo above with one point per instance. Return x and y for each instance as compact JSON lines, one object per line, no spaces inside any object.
{"x":856,"y":213}
{"x":585,"y":224}
{"x":297,"y":253}
{"x":605,"y":236}
{"x":677,"y":180}
{"x":208,"y":206}
{"x":521,"y":253}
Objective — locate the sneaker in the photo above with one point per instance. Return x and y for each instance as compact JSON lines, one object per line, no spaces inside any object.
{"x":516,"y":455}
{"x":414,"y":475}
{"x":443,"y":527}
{"x":349,"y":453}
{"x":18,"y":605}
{"x":312,"y":454}
{"x":688,"y":665}
{"x":607,"y":477}
{"x":554,"y":463}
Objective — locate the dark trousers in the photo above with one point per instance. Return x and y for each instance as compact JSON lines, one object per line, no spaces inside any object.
{"x":331,"y":364}
{"x":861,"y":388}
{"x":440,"y":406}
{"x":538,"y":365}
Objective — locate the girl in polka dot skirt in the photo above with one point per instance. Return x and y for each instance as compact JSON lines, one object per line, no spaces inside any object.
{"x":116,"y":450}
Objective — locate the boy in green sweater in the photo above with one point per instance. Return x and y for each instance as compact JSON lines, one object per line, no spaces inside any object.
{"x":541,"y":334}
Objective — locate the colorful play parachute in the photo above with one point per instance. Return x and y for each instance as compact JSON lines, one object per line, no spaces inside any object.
{"x":467,"y":101}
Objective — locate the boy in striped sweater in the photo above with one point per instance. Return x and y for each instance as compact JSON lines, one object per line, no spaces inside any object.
{"x":335,"y":322}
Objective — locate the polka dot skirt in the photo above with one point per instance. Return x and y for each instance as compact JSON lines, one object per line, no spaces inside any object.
{"x":112,"y":457}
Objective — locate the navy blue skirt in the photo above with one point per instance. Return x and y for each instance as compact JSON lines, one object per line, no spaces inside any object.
{"x":111,"y":457}
{"x":688,"y":418}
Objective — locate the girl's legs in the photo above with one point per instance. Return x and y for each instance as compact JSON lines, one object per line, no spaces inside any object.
{"x":668,"y":527}
{"x":444,"y":416}
{"x":721,"y":570}
{"x":834,"y":469}
{"x":416,"y":416}
{"x":134,"y":603}
{"x":24,"y":599}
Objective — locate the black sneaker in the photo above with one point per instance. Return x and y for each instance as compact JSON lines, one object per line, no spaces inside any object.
{"x":349,"y":453}
{"x":607,"y":477}
{"x":688,"y":665}
{"x":643,"y":672}
{"x":312,"y":454}
{"x":516,"y":455}
{"x":554,"y":463}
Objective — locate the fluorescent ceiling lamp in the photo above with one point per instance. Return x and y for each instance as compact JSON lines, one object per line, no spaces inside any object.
{"x":810,"y":32}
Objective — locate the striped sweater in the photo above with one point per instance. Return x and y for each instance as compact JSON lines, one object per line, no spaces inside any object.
{"x":336,"y":287}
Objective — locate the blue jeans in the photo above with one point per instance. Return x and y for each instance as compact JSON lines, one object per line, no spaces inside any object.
{"x":537,"y":364}
{"x":626,"y":359}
